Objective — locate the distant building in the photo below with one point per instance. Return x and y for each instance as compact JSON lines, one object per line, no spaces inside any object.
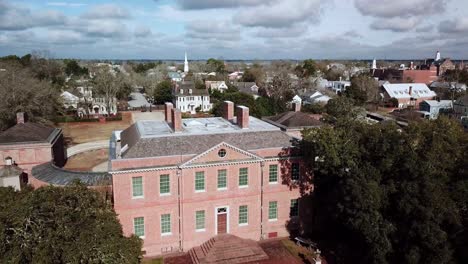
{"x":70,"y":100}
{"x":175,"y":76}
{"x":180,"y":182}
{"x":448,"y":85}
{"x":28,"y":144}
{"x":338,"y":86}
{"x":407,"y":94}
{"x":432,"y":108}
{"x":188,"y":99}
{"x":248,"y":88}
{"x":315,"y":98}
{"x":460,"y":106}
{"x":216,"y":85}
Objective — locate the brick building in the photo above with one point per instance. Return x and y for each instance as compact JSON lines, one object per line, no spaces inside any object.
{"x":179,"y":182}
{"x":407,"y":94}
{"x":29,"y":144}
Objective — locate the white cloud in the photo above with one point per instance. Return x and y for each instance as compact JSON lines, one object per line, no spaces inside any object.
{"x":14,"y":17}
{"x":400,"y":8}
{"x":212,"y":30}
{"x":66,"y":4}
{"x":211,"y":4}
{"x":107,"y":11}
{"x":396,"y":24}
{"x":459,"y":25}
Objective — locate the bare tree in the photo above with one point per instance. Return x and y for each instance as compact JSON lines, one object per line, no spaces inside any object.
{"x":108,"y":85}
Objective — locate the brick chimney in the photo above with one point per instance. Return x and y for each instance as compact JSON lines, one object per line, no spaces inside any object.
{"x":296,"y":106}
{"x":228,"y":110}
{"x":168,"y":111}
{"x":242,"y":114}
{"x":20,"y":118}
{"x":176,"y":120}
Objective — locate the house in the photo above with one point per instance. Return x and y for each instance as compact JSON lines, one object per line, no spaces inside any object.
{"x":338,"y":86}
{"x":460,"y":107}
{"x":216,"y":85}
{"x":432,"y":108}
{"x":28,"y":144}
{"x":174,"y":76}
{"x":70,"y":100}
{"x":235,"y":76}
{"x":296,"y":99}
{"x":248,"y":88}
{"x":407,"y":94}
{"x":315,"y":98}
{"x":447,"y":86}
{"x":179,"y":183}
{"x":188,"y":99}
{"x":293,"y":122}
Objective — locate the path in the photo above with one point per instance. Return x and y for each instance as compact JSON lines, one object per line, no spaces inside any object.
{"x":138,"y":100}
{"x":87,"y":147}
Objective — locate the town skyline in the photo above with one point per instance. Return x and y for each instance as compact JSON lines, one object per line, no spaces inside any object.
{"x":235,"y":30}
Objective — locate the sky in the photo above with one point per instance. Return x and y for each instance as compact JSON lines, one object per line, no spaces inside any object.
{"x":235,"y":29}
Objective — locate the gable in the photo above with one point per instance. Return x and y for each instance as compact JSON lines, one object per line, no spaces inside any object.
{"x":212,"y":155}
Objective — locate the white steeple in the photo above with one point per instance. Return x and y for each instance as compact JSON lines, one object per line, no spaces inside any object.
{"x":374,"y":64}
{"x":437,"y":56}
{"x":186,"y":68}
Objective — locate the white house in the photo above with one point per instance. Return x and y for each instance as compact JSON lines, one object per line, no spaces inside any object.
{"x":216,"y":85}
{"x":248,"y":88}
{"x":316,"y":98}
{"x":339,"y":86}
{"x":70,"y":100}
{"x":190,"y":100}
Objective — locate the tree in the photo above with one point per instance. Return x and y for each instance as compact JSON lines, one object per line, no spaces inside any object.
{"x":163,"y":92}
{"x":363,"y":89}
{"x":307,"y":69}
{"x":387,"y":195}
{"x":254,"y":74}
{"x":108,"y":84}
{"x":280,"y":91}
{"x":216,"y":65}
{"x":73,"y":68}
{"x":62,"y":225}
{"x":21,"y":92}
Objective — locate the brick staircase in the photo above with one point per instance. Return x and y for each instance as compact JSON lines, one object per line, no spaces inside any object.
{"x":227,"y":249}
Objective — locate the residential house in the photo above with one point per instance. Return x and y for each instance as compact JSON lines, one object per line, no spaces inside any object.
{"x":296,"y":99}
{"x":447,"y":86}
{"x":180,"y":182}
{"x":175,"y":76}
{"x":338,"y":86}
{"x":315,"y":98}
{"x":432,"y":108}
{"x":70,"y":100}
{"x":28,"y":144}
{"x":216,"y":85}
{"x":235,"y":76}
{"x":407,"y":94}
{"x":248,"y":88}
{"x":188,"y":99}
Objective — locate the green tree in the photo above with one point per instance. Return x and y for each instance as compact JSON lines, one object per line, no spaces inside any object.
{"x":62,"y":225}
{"x":163,"y":92}
{"x":363,"y":89}
{"x":72,"y":67}
{"x":216,"y":65}
{"x":307,"y":69}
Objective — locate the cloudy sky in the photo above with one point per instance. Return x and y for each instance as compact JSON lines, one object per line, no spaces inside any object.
{"x":235,"y":29}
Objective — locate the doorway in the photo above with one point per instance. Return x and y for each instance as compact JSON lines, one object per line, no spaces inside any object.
{"x":222,"y":220}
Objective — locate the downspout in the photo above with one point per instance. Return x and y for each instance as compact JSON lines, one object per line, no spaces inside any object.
{"x":262,"y":165}
{"x":179,"y":204}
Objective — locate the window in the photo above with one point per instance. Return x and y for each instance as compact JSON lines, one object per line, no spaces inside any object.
{"x":164,"y":186}
{"x":165,"y":224}
{"x":273,"y":210}
{"x":294,"y":208}
{"x":243,"y":215}
{"x":139,"y":226}
{"x":200,"y":220}
{"x":295,"y":171}
{"x":222,"y":179}
{"x":273,"y":174}
{"x":243,"y":177}
{"x":137,"y":187}
{"x":200,"y":181}
{"x":222,"y":153}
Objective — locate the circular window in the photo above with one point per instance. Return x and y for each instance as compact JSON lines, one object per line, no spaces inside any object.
{"x":222,"y":153}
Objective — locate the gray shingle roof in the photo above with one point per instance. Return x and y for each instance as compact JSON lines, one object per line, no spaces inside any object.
{"x":51,"y":174}
{"x":196,"y":144}
{"x":27,"y":132}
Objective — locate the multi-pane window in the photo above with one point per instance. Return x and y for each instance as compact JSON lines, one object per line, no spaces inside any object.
{"x":222,"y":179}
{"x":166,"y":224}
{"x":295,"y":171}
{"x":139,"y":226}
{"x":199,"y":181}
{"x":273,"y":173}
{"x":137,"y":186}
{"x":200,"y":220}
{"x":243,"y":177}
{"x":273,"y":210}
{"x":243,"y":215}
{"x":294,"y":208}
{"x":164,"y":185}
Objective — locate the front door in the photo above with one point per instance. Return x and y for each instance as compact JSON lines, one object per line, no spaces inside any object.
{"x":222,"y":220}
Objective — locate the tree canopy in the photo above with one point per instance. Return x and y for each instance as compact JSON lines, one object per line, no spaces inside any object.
{"x":216,"y":65}
{"x":62,"y":225}
{"x":163,"y":92}
{"x":388,"y":195}
{"x":73,"y":68}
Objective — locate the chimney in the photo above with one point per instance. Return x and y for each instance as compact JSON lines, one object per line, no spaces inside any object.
{"x":228,"y":110}
{"x":8,"y":161}
{"x":242,"y":114}
{"x":176,"y":116}
{"x":410,"y":90}
{"x":20,"y":118}
{"x":168,"y":111}
{"x":296,"y":106}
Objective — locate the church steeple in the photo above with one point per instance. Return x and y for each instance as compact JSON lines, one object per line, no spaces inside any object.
{"x":186,"y":68}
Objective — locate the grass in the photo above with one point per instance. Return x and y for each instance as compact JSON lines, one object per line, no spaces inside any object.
{"x":299,"y":252}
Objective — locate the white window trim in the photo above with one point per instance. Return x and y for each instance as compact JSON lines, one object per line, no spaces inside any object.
{"x":165,"y":194}
{"x":166,"y":234}
{"x":200,"y":230}
{"x":275,"y":182}
{"x":222,"y":189}
{"x":244,"y":224}
{"x":142,"y":186}
{"x":138,"y":197}
{"x":273,"y":220}
{"x":200,"y":191}
{"x":243,"y":186}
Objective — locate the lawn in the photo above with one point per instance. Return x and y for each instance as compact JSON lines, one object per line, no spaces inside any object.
{"x":86,"y":161}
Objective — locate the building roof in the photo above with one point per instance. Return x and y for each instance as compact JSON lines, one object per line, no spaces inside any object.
{"x":247,"y":87}
{"x":294,"y":120}
{"x":8,"y":171}
{"x":447,"y":85}
{"x":28,"y":133}
{"x":188,"y":89}
{"x":51,"y":174}
{"x":156,"y":138}
{"x":441,"y":103}
{"x":401,"y":90}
